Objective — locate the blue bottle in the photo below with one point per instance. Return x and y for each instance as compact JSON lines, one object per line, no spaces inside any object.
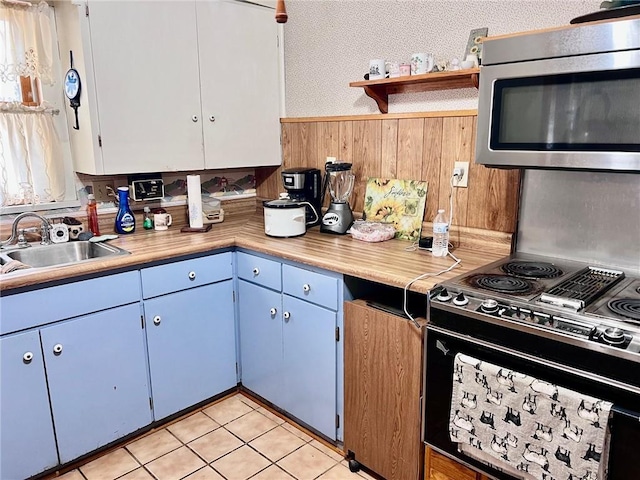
{"x":125,"y":221}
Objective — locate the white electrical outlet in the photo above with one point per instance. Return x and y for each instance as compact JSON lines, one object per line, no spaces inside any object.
{"x":462,"y":169}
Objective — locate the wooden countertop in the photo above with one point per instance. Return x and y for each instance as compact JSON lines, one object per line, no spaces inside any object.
{"x":386,"y":262}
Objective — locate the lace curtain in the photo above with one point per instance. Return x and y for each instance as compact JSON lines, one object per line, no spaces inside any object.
{"x":31,"y":160}
{"x":31,"y":170}
{"x":26,"y":46}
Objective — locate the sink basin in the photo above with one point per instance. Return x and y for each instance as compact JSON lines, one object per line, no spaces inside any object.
{"x":61,"y":253}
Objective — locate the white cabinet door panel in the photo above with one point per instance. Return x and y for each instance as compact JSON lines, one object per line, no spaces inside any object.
{"x":147,"y":82}
{"x":240,"y":82}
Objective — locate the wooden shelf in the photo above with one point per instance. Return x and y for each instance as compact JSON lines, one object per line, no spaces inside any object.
{"x":380,"y":90}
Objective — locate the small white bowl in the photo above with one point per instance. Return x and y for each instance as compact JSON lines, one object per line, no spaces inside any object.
{"x":467,"y":64}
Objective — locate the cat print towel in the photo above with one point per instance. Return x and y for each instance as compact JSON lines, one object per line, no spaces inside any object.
{"x":527,"y":427}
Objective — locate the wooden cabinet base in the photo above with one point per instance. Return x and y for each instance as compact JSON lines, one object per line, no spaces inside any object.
{"x":439,"y":467}
{"x":382,"y":378}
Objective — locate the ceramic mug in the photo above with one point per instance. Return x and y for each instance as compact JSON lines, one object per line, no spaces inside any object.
{"x":161,"y":221}
{"x":421,"y":63}
{"x":394,"y":69}
{"x":377,"y":70}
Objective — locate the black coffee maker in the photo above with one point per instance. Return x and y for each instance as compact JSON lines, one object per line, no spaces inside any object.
{"x":304,"y":185}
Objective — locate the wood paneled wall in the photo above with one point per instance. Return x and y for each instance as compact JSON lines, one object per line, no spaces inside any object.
{"x":405,"y":146}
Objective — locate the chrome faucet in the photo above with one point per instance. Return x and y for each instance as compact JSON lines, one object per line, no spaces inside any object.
{"x":45,"y":228}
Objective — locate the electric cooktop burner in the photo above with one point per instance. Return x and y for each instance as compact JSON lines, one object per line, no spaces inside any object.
{"x":531,"y":269}
{"x":502,"y":283}
{"x":627,"y":307}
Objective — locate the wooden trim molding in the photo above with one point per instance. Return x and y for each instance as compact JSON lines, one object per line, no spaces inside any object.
{"x":378,"y":116}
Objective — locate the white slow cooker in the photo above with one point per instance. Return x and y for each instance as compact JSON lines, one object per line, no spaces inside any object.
{"x":284,"y":218}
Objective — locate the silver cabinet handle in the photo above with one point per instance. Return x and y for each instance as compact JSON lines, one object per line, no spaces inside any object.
{"x":306,"y":287}
{"x":192,"y":275}
{"x":57,"y":348}
{"x":273,"y":312}
{"x":194,"y":118}
{"x":286,"y":315}
{"x":256,"y":271}
{"x":27,"y":357}
{"x":212,"y":118}
{"x":157,"y":320}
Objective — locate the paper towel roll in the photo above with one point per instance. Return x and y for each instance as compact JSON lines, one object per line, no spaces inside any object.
{"x":195,"y":201}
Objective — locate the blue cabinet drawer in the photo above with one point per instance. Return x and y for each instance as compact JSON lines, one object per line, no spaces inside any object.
{"x":310,"y":286}
{"x":177,"y":276}
{"x":261,"y":271}
{"x":39,"y":307}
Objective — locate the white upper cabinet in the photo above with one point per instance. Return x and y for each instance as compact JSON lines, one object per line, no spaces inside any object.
{"x":240,"y":84}
{"x":179,"y":85}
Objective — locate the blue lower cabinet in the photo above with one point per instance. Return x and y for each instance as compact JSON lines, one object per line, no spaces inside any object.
{"x":97,"y":374}
{"x":191,"y":344}
{"x":309,"y":371}
{"x":27,"y":444}
{"x":260,"y":311}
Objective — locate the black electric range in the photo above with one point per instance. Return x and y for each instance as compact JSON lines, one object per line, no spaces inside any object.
{"x":590,"y":306}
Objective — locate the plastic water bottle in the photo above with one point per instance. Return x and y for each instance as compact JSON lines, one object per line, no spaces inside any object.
{"x":440,"y":246}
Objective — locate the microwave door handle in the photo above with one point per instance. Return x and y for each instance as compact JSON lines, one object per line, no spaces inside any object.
{"x":530,"y":358}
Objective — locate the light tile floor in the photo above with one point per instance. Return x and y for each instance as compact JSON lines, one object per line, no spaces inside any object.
{"x":235,"y":439}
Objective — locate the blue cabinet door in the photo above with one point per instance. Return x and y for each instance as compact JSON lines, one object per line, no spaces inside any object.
{"x":191,"y":342}
{"x":261,"y":340}
{"x":97,"y":373}
{"x":310,"y":364}
{"x":27,"y":444}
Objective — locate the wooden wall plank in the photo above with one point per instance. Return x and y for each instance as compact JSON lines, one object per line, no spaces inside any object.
{"x":389,"y":149}
{"x":495,"y":206}
{"x":345,"y":132}
{"x":328,"y":142}
{"x":431,"y":158}
{"x":410,"y":144}
{"x":457,"y":139}
{"x":367,"y":158}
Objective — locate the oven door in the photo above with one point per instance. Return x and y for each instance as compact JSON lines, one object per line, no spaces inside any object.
{"x":441,"y":346}
{"x":569,"y":112}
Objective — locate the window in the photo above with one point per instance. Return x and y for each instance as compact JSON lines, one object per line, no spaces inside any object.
{"x":35,"y":165}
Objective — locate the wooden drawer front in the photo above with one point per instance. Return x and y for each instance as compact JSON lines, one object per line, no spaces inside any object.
{"x":311,"y":286}
{"x":39,"y":307}
{"x":259,"y":270}
{"x":439,"y":467}
{"x":177,"y":276}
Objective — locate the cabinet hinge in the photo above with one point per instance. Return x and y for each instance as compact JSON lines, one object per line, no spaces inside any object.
{"x":337,"y":421}
{"x":100,"y":140}
{"x":150,"y":403}
{"x":142,"y":321}
{"x":337,"y":334}
{"x":86,"y":10}
{"x":236,"y":368}
{"x":234,"y":296}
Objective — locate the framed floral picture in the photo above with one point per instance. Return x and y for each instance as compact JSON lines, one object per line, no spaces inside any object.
{"x":398,"y":202}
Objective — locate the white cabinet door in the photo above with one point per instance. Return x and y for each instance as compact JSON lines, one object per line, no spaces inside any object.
{"x":240,"y":84}
{"x":145,"y":57}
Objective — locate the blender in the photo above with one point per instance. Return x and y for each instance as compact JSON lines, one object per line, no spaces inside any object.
{"x":339,"y":179}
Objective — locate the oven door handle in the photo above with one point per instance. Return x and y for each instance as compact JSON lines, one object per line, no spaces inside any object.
{"x":442,"y":346}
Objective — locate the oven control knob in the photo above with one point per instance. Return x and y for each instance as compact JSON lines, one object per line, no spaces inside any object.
{"x":461,"y":300}
{"x":613,"y":336}
{"x":444,"y":295}
{"x":489,"y":306}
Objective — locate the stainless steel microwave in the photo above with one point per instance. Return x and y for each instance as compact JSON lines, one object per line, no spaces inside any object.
{"x":566,"y":98}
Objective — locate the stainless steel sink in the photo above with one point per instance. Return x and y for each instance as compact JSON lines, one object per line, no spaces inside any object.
{"x":60,"y":253}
